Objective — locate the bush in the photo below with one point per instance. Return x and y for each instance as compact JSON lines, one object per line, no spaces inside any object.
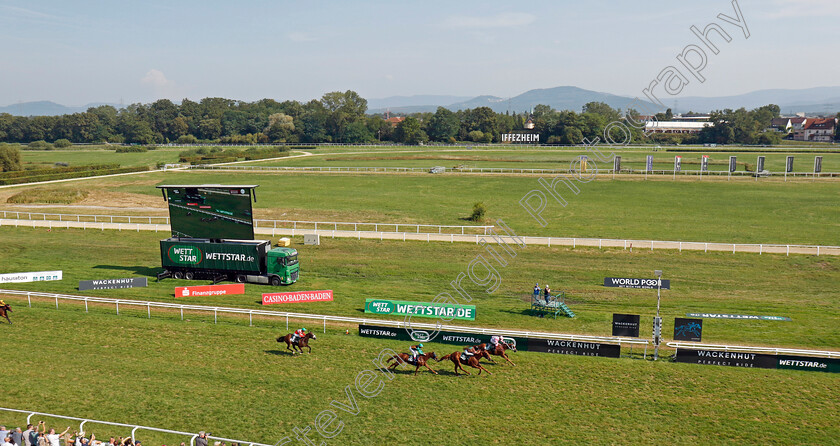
{"x":62,"y":143}
{"x":39,"y":145}
{"x":479,"y":209}
{"x":131,"y":149}
{"x":9,"y":158}
{"x":187,"y":139}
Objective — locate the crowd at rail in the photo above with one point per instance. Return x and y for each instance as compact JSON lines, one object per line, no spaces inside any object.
{"x":40,"y":435}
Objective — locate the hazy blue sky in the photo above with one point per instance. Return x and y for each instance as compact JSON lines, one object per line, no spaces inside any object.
{"x":75,"y":52}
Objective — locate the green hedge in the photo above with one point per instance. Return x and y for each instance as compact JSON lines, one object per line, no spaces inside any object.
{"x":56,"y":170}
{"x":66,"y":175}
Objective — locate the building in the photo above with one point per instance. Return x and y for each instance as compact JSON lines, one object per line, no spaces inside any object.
{"x":676,"y":126}
{"x":816,"y":129}
{"x":395,"y":120}
{"x":529,"y":124}
{"x":781,"y":125}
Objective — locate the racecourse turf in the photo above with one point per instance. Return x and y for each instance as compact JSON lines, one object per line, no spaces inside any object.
{"x":236,"y":381}
{"x":801,"y":287}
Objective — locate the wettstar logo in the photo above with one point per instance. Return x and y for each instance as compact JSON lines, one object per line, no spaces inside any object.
{"x":185,"y":255}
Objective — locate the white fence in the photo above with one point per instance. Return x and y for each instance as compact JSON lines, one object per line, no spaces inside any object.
{"x":148,"y":305}
{"x":134,"y":427}
{"x":275,"y":224}
{"x":748,"y":349}
{"x":501,"y":170}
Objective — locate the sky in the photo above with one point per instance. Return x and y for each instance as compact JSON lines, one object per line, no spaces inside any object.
{"x":117,"y":51}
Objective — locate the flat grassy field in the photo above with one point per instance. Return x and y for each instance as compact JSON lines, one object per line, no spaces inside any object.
{"x":803,"y":288}
{"x":234,"y":381}
{"x":101,"y":155}
{"x":713,"y":211}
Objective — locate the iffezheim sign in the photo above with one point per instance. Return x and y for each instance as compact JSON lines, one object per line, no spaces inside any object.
{"x":521,"y":137}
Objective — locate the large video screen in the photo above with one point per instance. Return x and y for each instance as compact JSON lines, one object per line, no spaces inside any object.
{"x":214,"y":212}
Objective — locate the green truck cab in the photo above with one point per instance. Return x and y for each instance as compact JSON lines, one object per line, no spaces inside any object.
{"x":252,"y":261}
{"x":283,"y":263}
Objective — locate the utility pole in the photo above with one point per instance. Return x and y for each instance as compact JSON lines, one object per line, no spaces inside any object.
{"x":657,"y":321}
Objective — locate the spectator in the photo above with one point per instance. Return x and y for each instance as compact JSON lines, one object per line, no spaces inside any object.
{"x":7,"y":440}
{"x":55,"y":439}
{"x":112,"y":442}
{"x":3,"y":433}
{"x":17,"y":437}
{"x":547,"y":293}
{"x":536,"y":291}
{"x":42,"y":439}
{"x":27,"y":435}
{"x":201,"y":440}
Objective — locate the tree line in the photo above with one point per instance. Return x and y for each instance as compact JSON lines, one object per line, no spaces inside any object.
{"x":341,"y":117}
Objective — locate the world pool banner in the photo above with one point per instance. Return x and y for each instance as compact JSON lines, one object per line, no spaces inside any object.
{"x":746,"y":359}
{"x":210,"y":290}
{"x":648,"y":284}
{"x":738,"y":316}
{"x":297,"y":297}
{"x":39,"y":276}
{"x":113,"y":284}
{"x":420,"y":309}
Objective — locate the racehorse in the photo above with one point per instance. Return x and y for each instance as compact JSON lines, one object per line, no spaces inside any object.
{"x":300,"y":344}
{"x":472,"y":361}
{"x":499,"y":350}
{"x":406,"y":358}
{"x":4,"y":311}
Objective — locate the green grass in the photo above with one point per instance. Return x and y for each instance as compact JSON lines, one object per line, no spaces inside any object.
{"x":234,"y":380}
{"x":742,"y":211}
{"x":552,"y":158}
{"x":800,"y":287}
{"x":78,"y":157}
{"x":48,"y":195}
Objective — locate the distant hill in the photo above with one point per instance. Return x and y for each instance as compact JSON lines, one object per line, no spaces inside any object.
{"x":802,"y":100}
{"x":560,"y":98}
{"x":428,"y":100}
{"x":47,"y":108}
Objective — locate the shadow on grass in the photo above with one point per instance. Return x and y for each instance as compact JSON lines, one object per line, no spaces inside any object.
{"x":141,"y":270}
{"x":280,"y":352}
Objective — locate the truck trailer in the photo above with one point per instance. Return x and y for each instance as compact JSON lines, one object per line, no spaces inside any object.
{"x":241,"y":261}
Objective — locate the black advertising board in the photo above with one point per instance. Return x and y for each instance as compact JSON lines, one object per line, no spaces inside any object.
{"x":617,"y":163}
{"x":430,"y":335}
{"x":688,"y":329}
{"x":211,"y":211}
{"x":733,"y":164}
{"x":745,"y":359}
{"x":677,"y":163}
{"x":809,"y":363}
{"x":624,"y":282}
{"x":759,"y":164}
{"x":580,"y":348}
{"x":625,"y":325}
{"x":789,"y":164}
{"x":731,"y":359}
{"x":817,"y":164}
{"x":113,"y":284}
{"x":649,"y":163}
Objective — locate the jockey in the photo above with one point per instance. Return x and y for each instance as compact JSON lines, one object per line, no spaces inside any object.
{"x":469,"y":351}
{"x":2,"y":304}
{"x":495,"y":340}
{"x":415,"y":350}
{"x":298,"y":334}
